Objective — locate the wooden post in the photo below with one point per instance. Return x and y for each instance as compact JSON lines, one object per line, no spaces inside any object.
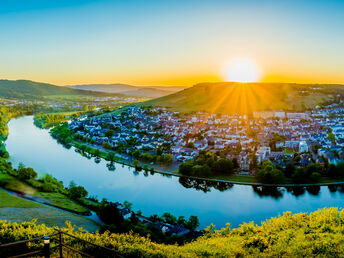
{"x":60,"y":244}
{"x":46,"y":247}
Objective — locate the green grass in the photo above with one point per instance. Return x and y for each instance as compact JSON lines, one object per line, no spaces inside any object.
{"x":237,"y":178}
{"x":55,"y":199}
{"x":60,"y":200}
{"x":9,"y":201}
{"x":19,"y":210}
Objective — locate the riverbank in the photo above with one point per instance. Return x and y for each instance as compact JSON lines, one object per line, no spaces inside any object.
{"x":29,"y":192}
{"x":232,"y":179}
{"x":16,"y":209}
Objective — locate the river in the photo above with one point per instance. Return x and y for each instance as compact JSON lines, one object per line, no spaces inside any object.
{"x":156,"y":194}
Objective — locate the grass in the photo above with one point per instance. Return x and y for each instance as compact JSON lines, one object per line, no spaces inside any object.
{"x":61,"y":201}
{"x":19,"y":210}
{"x":55,"y":199}
{"x":9,"y":201}
{"x":237,"y":178}
{"x":11,"y":183}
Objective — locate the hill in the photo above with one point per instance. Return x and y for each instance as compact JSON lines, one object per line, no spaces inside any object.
{"x":24,"y":89}
{"x":245,"y":98}
{"x":130,"y":90}
{"x":109,"y":88}
{"x":317,"y":234}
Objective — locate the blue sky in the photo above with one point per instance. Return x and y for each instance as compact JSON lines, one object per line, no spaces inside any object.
{"x":170,"y":42}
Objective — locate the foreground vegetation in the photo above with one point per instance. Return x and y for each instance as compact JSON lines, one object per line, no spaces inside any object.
{"x":300,"y":235}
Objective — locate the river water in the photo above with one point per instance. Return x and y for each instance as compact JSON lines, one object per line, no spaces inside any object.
{"x":156,"y":194}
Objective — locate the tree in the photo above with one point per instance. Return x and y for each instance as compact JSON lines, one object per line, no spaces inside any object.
{"x":235,"y":163}
{"x":111,"y":156}
{"x":193,"y":223}
{"x":223,"y":166}
{"x":97,"y":153}
{"x":109,"y":133}
{"x":169,"y":218}
{"x":299,"y":175}
{"x":186,"y":168}
{"x":159,"y":151}
{"x":201,"y":170}
{"x":331,"y":137}
{"x":26,"y":173}
{"x":289,"y":170}
{"x":128,"y":205}
{"x":77,"y":192}
{"x":109,"y":214}
{"x":269,"y":174}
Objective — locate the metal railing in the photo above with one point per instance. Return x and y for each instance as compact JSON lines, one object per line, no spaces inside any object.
{"x":12,"y":249}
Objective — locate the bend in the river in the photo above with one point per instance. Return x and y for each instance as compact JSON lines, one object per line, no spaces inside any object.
{"x":155,"y":194}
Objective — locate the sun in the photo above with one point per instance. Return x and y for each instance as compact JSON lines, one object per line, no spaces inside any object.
{"x":242,"y":70}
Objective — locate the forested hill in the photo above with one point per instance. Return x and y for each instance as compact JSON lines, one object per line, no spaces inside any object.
{"x":246,"y":98}
{"x":25,"y":89}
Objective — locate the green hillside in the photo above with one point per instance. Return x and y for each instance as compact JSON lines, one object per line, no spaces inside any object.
{"x":319,"y":234}
{"x":249,"y":97}
{"x":23,"y":89}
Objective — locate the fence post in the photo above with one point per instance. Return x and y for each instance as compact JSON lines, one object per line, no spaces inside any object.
{"x":60,"y":244}
{"x":46,"y":247}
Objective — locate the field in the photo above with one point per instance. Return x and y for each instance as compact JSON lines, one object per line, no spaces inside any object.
{"x":16,"y":209}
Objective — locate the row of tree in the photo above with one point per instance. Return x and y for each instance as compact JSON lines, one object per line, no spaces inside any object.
{"x":208,"y":164}
{"x":271,"y":174}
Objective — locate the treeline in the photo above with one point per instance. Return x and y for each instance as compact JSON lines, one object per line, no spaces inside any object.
{"x":47,"y":120}
{"x":6,"y":114}
{"x":62,"y":134}
{"x":110,"y":214}
{"x":208,"y":164}
{"x":158,"y":157}
{"x":65,"y":136}
{"x":312,"y":173}
{"x":319,"y":233}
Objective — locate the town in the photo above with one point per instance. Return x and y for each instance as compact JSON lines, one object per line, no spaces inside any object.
{"x":315,"y":136}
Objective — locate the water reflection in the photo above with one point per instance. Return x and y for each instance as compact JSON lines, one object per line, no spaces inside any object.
{"x":271,"y":191}
{"x":203,"y":185}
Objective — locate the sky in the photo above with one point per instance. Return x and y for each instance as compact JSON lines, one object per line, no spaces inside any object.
{"x":170,"y":42}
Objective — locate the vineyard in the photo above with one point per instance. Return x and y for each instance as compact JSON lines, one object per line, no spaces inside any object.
{"x":316,"y":234}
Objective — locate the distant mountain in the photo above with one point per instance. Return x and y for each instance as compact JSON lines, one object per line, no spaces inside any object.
{"x":130,"y":90}
{"x":246,"y":98}
{"x":110,"y":88}
{"x":31,"y":90}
